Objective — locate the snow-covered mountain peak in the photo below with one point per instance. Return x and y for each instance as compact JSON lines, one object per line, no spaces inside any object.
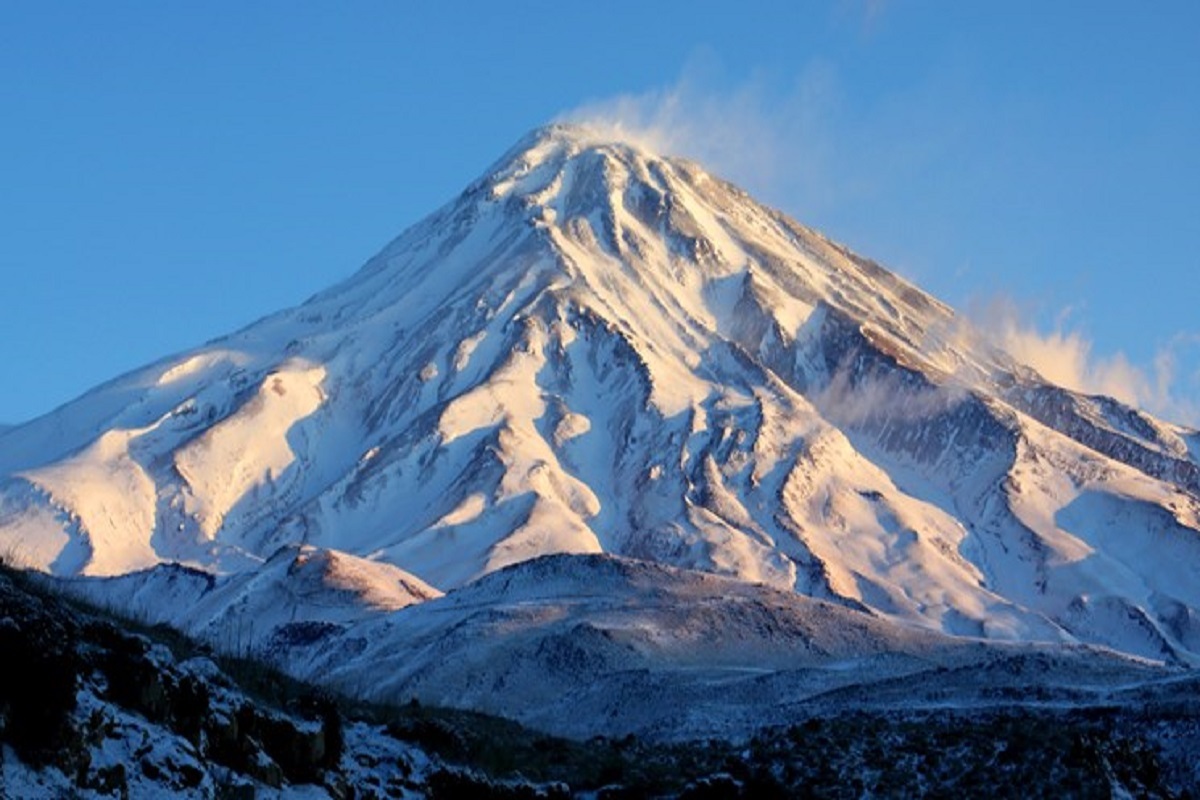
{"x":596,"y":349}
{"x":651,"y":245}
{"x":558,"y":142}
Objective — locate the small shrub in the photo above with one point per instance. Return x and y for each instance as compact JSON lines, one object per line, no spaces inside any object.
{"x":190,"y":705}
{"x":451,"y":785}
{"x":37,"y":690}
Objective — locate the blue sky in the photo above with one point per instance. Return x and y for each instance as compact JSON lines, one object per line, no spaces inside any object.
{"x":173,"y":171}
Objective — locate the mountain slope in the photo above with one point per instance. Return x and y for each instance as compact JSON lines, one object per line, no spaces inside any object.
{"x":92,"y":709}
{"x":584,"y":644}
{"x":595,"y":349}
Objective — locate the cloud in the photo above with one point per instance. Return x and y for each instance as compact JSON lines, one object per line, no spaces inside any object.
{"x":1066,"y":356}
{"x":882,"y":397}
{"x":869,"y":13}
{"x":766,"y":137}
{"x":801,"y":141}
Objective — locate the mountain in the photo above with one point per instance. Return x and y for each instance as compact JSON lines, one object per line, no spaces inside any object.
{"x":613,"y":358}
{"x":93,"y":706}
{"x":91,"y":709}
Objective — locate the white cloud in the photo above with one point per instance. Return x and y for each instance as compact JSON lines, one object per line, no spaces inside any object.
{"x":1066,"y":356}
{"x":882,"y":397}
{"x":869,"y":12}
{"x":802,"y":142}
{"x":768,"y":139}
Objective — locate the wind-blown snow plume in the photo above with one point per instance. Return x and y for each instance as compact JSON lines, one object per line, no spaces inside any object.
{"x":1066,"y":356}
{"x":851,"y":402}
{"x":767,"y":139}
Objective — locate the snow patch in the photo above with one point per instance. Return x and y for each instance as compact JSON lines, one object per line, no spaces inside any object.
{"x":251,"y":449}
{"x":466,"y":511}
{"x":194,"y":366}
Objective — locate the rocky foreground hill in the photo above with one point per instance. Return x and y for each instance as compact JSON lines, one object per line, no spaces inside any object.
{"x":94,"y":705}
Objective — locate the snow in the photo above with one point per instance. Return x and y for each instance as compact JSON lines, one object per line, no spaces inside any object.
{"x":464,"y":349}
{"x":112,"y":498}
{"x":298,"y":584}
{"x":250,"y":448}
{"x":32,"y":533}
{"x":595,"y":349}
{"x":571,"y":426}
{"x":193,"y":367}
{"x":1193,"y":445}
{"x":466,"y":511}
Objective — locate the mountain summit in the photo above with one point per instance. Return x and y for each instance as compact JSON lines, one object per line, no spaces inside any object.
{"x":595,"y":350}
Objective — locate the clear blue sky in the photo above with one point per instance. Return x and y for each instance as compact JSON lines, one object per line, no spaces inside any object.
{"x":172,"y":171}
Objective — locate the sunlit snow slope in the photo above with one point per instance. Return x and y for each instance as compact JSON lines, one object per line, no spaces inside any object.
{"x":595,"y":349}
